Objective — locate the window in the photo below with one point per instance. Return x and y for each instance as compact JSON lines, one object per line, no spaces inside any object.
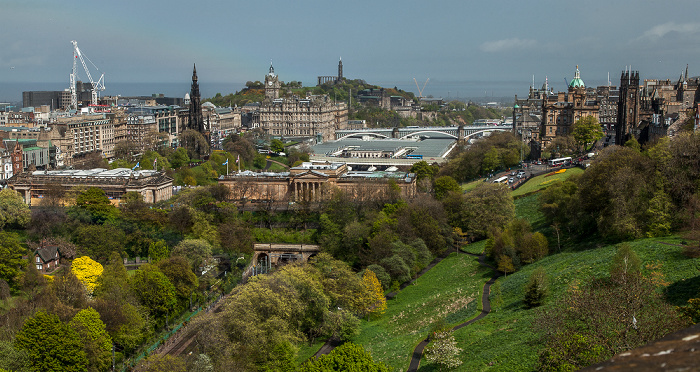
{"x":38,"y":259}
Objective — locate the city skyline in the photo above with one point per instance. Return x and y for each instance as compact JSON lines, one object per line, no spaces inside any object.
{"x":386,"y":43}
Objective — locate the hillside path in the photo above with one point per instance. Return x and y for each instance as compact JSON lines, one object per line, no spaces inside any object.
{"x":485,"y":306}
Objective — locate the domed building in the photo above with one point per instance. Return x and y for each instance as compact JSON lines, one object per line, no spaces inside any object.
{"x":562,"y":110}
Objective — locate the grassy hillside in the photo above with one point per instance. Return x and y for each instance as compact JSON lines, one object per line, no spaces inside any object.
{"x":450,"y":291}
{"x":505,"y":340}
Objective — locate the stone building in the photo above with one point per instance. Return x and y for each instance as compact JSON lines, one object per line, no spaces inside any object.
{"x":561,"y":111}
{"x":154,"y":186}
{"x":314,"y":116}
{"x":315,"y":181}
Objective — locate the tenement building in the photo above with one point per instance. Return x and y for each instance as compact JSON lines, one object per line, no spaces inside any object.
{"x":315,"y":182}
{"x":152,"y":185}
{"x":313,"y":116}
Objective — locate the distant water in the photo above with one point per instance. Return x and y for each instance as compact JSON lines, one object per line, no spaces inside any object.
{"x":12,"y":92}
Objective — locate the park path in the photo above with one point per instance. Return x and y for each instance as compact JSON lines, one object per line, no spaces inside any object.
{"x":485,"y":306}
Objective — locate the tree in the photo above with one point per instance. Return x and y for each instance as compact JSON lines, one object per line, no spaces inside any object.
{"x":423,"y":170}
{"x":476,"y":212}
{"x":93,"y":335}
{"x":13,"y":209}
{"x":195,"y":143}
{"x":95,"y":201}
{"x":178,"y":271}
{"x":373,"y":296}
{"x":443,"y":349}
{"x":87,"y":271}
{"x":587,"y":131}
{"x":536,"y":288}
{"x":11,"y":262}
{"x":158,"y":251}
{"x":100,"y":241}
{"x":153,"y":289}
{"x":276,"y":145}
{"x":196,"y":251}
{"x":179,"y":158}
{"x":51,"y":344}
{"x":445,"y":185}
{"x":346,"y":357}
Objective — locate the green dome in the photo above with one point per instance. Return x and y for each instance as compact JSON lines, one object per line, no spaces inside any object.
{"x":516,"y":106}
{"x":577,"y":82}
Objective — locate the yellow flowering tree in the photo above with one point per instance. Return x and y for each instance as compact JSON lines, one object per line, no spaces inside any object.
{"x":87,"y":270}
{"x":374,"y":300}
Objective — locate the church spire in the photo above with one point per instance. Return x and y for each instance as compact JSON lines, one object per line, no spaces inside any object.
{"x":272,"y":69}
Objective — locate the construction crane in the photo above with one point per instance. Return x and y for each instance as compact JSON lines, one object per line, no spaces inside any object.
{"x":96,"y":86}
{"x":420,"y":91}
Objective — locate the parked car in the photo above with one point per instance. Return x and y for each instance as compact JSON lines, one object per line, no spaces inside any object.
{"x":511,"y":180}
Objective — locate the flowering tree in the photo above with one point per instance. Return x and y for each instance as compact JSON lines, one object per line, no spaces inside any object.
{"x":87,"y":270}
{"x":443,"y":350}
{"x":373,"y":299}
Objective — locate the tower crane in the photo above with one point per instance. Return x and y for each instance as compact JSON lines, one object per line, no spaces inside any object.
{"x":96,"y":86}
{"x":420,"y":91}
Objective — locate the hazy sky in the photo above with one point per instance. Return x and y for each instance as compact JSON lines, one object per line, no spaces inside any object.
{"x":389,"y":42}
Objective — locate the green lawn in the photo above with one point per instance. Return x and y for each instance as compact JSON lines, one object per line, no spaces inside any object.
{"x":541,"y":182}
{"x":449,"y":291}
{"x":466,"y":187}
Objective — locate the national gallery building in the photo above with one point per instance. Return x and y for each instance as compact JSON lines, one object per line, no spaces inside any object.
{"x":315,"y":181}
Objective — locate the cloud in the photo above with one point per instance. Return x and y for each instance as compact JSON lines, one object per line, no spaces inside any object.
{"x":660,"y":31}
{"x":507,"y":45}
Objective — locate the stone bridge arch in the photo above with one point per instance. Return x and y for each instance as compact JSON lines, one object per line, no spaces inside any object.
{"x":270,"y":255}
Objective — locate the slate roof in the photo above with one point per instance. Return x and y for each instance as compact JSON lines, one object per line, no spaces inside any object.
{"x":47,"y":253}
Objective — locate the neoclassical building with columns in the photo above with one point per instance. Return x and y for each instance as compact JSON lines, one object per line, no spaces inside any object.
{"x":315,"y":182}
{"x":154,"y":186}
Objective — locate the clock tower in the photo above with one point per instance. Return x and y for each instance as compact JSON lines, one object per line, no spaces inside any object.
{"x":272,"y":84}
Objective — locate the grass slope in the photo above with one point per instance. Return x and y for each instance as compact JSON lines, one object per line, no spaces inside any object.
{"x":506,"y":341}
{"x":450,"y":291}
{"x":541,"y":182}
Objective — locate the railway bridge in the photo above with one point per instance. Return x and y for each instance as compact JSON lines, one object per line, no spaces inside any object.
{"x":269,"y":255}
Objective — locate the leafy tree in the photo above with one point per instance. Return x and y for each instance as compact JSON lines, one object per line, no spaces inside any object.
{"x":178,"y":271}
{"x":51,"y":344}
{"x":13,"y":209}
{"x":346,"y":357}
{"x":96,"y":342}
{"x":153,"y":289}
{"x":195,"y":143}
{"x":276,"y":145}
{"x":196,"y":251}
{"x":587,"y":131}
{"x":443,"y":349}
{"x":87,"y":271}
{"x":341,"y":325}
{"x":423,"y":170}
{"x":70,"y":294}
{"x":11,"y":262}
{"x":13,"y":358}
{"x":381,"y":274}
{"x":179,"y":158}
{"x":536,"y":288}
{"x":100,"y":241}
{"x":478,"y":211}
{"x":95,"y":201}
{"x":444,"y":185}
{"x":158,"y":251}
{"x":374,"y":300}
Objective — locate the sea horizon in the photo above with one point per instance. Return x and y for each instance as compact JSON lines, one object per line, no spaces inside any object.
{"x":504,"y":90}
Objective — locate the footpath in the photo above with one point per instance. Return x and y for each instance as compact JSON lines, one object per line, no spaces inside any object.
{"x":485,"y":310}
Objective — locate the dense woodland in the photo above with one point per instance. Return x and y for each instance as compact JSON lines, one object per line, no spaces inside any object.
{"x":199,"y":242}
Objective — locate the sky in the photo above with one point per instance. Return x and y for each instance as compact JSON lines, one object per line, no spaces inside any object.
{"x":499,"y":43}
